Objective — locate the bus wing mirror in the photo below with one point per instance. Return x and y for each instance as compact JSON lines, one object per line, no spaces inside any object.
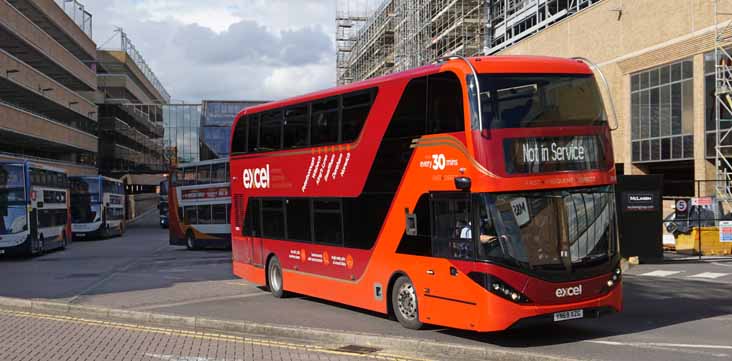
{"x":463,"y":183}
{"x":411,"y":223}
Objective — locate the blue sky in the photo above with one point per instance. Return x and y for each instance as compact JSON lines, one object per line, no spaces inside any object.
{"x":236,"y":49}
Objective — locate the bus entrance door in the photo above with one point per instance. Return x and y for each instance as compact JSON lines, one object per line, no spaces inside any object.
{"x":447,"y":293}
{"x":34,"y":224}
{"x":257,"y":251}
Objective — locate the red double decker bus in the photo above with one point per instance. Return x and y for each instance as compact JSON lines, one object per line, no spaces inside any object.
{"x":472,"y":193}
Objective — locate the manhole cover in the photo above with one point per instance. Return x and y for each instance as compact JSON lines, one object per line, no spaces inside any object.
{"x":358,"y":349}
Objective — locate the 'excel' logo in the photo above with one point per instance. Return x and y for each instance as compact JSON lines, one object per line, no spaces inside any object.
{"x":569,"y":291}
{"x":256,"y":178}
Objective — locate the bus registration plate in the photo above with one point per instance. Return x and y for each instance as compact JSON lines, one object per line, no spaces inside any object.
{"x":568,"y":315}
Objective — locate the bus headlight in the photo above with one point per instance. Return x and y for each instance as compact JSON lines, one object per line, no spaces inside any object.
{"x":614,"y":280}
{"x":498,"y":287}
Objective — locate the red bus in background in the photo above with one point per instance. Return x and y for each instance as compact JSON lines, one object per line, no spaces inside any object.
{"x":199,"y":205}
{"x":472,"y":193}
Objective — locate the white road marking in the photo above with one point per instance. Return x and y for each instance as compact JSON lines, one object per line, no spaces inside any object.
{"x":721,"y":264}
{"x":661,"y":344}
{"x":710,"y":275}
{"x":660,"y":273}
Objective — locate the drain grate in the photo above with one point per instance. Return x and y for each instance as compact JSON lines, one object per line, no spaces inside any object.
{"x":83,"y":275}
{"x":363,"y":350}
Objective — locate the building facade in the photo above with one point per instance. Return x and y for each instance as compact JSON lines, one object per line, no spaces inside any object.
{"x":404,"y":34}
{"x":47,"y":85}
{"x":658,"y":57}
{"x":131,"y":101}
{"x":198,"y":132}
{"x":216,"y":120}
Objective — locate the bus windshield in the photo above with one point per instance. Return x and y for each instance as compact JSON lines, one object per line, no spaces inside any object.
{"x":551,"y":230}
{"x":88,"y":187}
{"x":529,"y":101}
{"x":85,"y":200}
{"x":12,"y":185}
{"x":12,"y":199}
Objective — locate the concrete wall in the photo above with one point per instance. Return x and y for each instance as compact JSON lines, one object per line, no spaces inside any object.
{"x":141,"y":203}
{"x":59,"y":18}
{"x":34,"y":36}
{"x":19,"y":121}
{"x":626,"y":36}
{"x":34,"y":80}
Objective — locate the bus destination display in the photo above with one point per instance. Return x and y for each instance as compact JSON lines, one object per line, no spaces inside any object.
{"x":552,"y":154}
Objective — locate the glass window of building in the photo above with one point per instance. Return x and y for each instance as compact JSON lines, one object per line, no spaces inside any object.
{"x":181,"y":140}
{"x":662,"y":113}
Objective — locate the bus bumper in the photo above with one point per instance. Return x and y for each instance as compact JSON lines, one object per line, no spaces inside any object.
{"x":518,"y":316}
{"x":20,"y":249}
{"x":87,"y":235}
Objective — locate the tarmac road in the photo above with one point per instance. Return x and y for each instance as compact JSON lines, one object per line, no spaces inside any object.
{"x":680,"y":311}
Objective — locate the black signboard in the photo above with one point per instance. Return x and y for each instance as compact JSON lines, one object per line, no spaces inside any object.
{"x":640,"y":202}
{"x":553,"y":154}
{"x":639,"y":216}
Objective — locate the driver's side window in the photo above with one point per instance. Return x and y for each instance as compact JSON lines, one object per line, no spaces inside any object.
{"x":452,"y":226}
{"x":487,"y":245}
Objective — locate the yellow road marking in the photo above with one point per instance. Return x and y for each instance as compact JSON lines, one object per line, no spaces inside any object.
{"x":205,"y":335}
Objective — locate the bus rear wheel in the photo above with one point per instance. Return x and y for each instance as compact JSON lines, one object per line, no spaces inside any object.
{"x":274,"y":278}
{"x":404,"y":303}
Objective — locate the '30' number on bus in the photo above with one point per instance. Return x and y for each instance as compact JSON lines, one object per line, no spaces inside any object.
{"x":438,"y":161}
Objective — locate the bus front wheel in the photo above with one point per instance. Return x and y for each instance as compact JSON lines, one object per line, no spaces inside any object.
{"x":191,"y":241}
{"x":274,"y":278}
{"x":404,"y":303}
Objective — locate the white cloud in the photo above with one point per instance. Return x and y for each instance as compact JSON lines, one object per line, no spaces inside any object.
{"x":219,"y":49}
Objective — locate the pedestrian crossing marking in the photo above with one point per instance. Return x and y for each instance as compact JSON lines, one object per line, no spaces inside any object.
{"x":710,"y":275}
{"x":660,"y":273}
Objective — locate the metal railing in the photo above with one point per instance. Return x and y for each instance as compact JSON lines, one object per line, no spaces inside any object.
{"x":134,"y":54}
{"x":76,"y":11}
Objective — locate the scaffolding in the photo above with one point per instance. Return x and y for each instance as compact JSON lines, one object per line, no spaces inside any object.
{"x":404,"y":34}
{"x":348,"y":23}
{"x":509,"y":21}
{"x":366,"y":48}
{"x":723,"y":101}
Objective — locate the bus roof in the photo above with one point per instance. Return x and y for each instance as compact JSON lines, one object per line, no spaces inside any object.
{"x":502,"y":64}
{"x":34,"y":165}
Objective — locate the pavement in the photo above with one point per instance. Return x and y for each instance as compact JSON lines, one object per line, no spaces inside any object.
{"x":26,"y":337}
{"x":673,"y":311}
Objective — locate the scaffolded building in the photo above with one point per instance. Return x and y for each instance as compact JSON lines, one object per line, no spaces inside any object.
{"x":131,"y":100}
{"x":403,"y":34}
{"x":509,"y":21}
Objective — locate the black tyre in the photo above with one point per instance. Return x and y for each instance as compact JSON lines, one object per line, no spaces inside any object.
{"x":274,"y":278}
{"x":191,"y":242}
{"x":41,"y":246}
{"x":64,"y":242}
{"x":31,"y":248}
{"x":404,"y":303}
